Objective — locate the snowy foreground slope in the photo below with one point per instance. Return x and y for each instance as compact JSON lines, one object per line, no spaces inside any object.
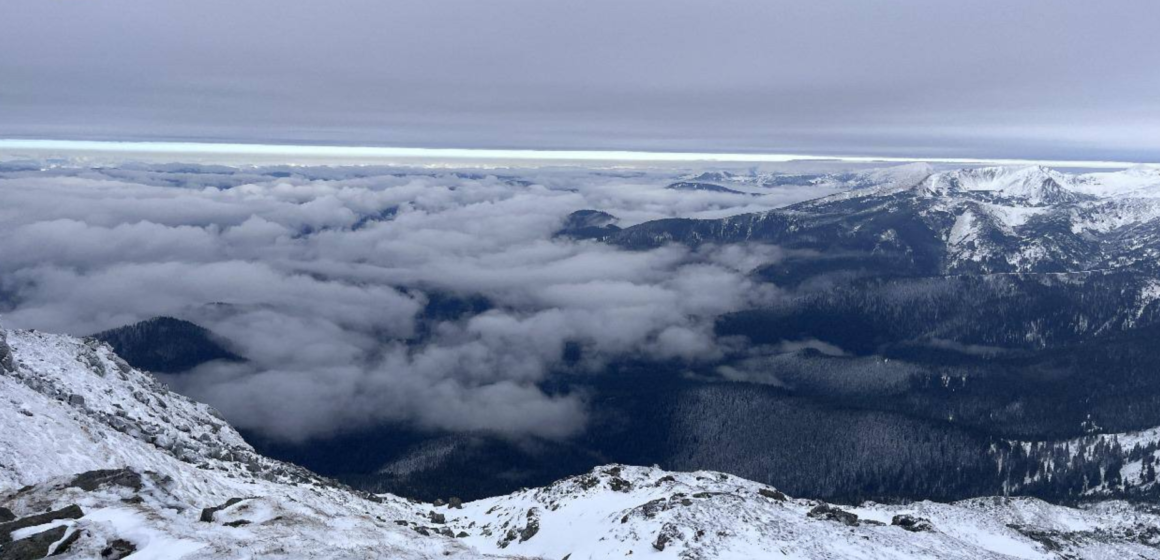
{"x":126,"y":468}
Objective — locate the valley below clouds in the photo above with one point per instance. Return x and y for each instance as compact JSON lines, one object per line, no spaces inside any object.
{"x":333,"y":283}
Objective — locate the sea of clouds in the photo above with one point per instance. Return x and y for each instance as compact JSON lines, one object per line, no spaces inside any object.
{"x":320,"y":276}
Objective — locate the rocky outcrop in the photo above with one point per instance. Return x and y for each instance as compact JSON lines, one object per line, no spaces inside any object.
{"x":912,"y":523}
{"x":118,"y":549}
{"x":6,"y":529}
{"x":830,"y":513}
{"x":668,"y":534}
{"x":92,"y":480}
{"x":208,"y":513}
{"x":7,"y":364}
{"x":33,"y":547}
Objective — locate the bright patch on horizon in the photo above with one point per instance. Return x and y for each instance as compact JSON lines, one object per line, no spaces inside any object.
{"x":372,"y":152}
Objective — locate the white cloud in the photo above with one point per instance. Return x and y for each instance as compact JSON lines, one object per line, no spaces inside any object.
{"x":324,"y":300}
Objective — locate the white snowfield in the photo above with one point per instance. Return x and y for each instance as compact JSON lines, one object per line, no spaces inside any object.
{"x":69,"y":407}
{"x":1001,"y":214}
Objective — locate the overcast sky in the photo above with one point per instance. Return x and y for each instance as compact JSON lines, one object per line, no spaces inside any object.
{"x":1003,"y":78}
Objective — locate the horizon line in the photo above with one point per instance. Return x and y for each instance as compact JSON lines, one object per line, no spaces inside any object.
{"x":377,"y":152}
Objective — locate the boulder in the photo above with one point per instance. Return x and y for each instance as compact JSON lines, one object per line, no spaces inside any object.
{"x":67,"y":543}
{"x":454,"y":503}
{"x":668,"y":534}
{"x":774,"y":495}
{"x":118,"y":549}
{"x":618,"y":484}
{"x":533,"y":525}
{"x":70,"y":512}
{"x":830,"y":513}
{"x":6,"y":362}
{"x":92,"y":480}
{"x":33,"y":547}
{"x":76,"y":400}
{"x":6,"y":515}
{"x":96,"y":365}
{"x":121,"y":364}
{"x":208,"y":513}
{"x":912,"y":523}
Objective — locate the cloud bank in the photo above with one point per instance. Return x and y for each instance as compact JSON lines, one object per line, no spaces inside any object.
{"x":328,"y":280}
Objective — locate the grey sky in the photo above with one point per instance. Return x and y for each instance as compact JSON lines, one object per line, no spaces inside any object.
{"x":1030,"y":78}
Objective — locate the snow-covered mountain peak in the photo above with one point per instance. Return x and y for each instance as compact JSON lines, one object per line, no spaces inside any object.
{"x":1141,"y":181}
{"x":1030,"y":186}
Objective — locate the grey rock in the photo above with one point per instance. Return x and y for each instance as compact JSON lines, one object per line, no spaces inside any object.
{"x":6,"y":529}
{"x":6,"y":515}
{"x":618,"y":484}
{"x":830,"y":513}
{"x":912,"y":523}
{"x":33,"y":547}
{"x":208,"y":513}
{"x":121,"y":364}
{"x":76,"y":400}
{"x":118,"y":549}
{"x":668,"y":534}
{"x":533,"y":525}
{"x":67,"y":543}
{"x":95,"y":364}
{"x":454,"y":503}
{"x":92,"y":480}
{"x":6,"y":363}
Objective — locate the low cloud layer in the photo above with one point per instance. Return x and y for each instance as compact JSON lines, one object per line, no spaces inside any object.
{"x":320,"y":278}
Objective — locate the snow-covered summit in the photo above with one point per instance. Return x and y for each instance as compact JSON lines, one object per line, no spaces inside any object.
{"x":1141,"y":181}
{"x":98,"y":459}
{"x":1028,"y":186}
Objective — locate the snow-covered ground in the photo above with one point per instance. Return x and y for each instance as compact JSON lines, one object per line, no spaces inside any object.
{"x":69,"y":407}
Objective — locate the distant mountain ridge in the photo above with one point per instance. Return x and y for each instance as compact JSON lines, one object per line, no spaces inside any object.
{"x":972,"y":221}
{"x":166,"y":345}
